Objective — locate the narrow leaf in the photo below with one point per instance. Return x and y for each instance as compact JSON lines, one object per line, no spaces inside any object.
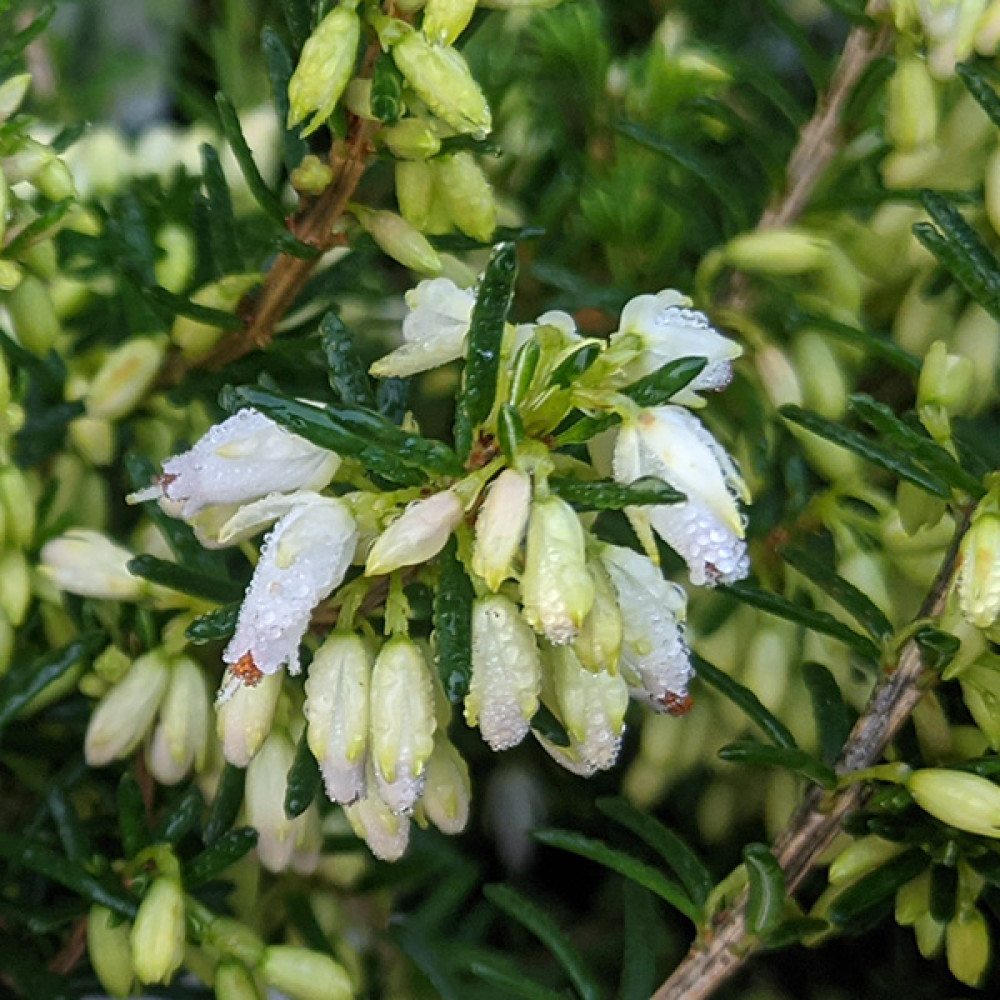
{"x":181,"y":817}
{"x":833,"y":716}
{"x":387,"y":91}
{"x":511,"y":981}
{"x":606,"y":494}
{"x":187,"y":581}
{"x":214,"y":860}
{"x":875,"y":345}
{"x":858,"y":901}
{"x":38,"y":228}
{"x":72,"y":835}
{"x":944,"y":889}
{"x":132,"y":825}
{"x":489,"y":314}
{"x":745,"y":700}
{"x":345,"y":371}
{"x":221,"y":220}
{"x":937,"y":647}
{"x":303,"y":918}
{"x":548,"y":726}
{"x":539,"y":923}
{"x":960,"y":266}
{"x":220,"y":623}
{"x":177,"y":305}
{"x":453,"y":623}
{"x":226,"y":804}
{"x":428,"y":960}
{"x":981,"y":89}
{"x":624,"y":864}
{"x":304,"y":780}
{"x":392,"y":399}
{"x":765,"y":889}
{"x":767,"y":755}
{"x":638,"y":979}
{"x":575,"y":365}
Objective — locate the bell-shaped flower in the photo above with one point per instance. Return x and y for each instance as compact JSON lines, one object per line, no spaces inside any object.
{"x":387,"y":833}
{"x":434,"y":330}
{"x":244,"y":715}
{"x":506,"y":673}
{"x":402,"y":722}
{"x":89,"y":564}
{"x":598,"y":644}
{"x":180,"y":739}
{"x":556,"y":589}
{"x":417,"y":535}
{"x":245,"y":457}
{"x":500,"y":527}
{"x":447,"y":790}
{"x":304,"y":557}
{"x":336,"y":710}
{"x":978,"y":581}
{"x":159,"y":932}
{"x":706,"y":530}
{"x":668,"y":328}
{"x":656,"y":661}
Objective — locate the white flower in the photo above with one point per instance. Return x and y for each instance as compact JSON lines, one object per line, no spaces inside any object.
{"x":668,"y":329}
{"x":707,"y":529}
{"x":445,"y":801}
{"x":417,"y":535}
{"x":180,"y":739}
{"x":304,"y":557}
{"x":434,"y":330}
{"x":243,"y":458}
{"x":386,"y":833}
{"x":88,"y":563}
{"x":500,"y":527}
{"x":244,"y":715}
{"x":655,"y":659}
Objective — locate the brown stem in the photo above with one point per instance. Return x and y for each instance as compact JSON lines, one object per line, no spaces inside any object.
{"x":816,"y":822}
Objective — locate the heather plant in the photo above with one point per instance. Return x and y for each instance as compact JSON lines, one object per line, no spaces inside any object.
{"x":499,"y":499}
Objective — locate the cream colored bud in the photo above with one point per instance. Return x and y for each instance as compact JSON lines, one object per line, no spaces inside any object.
{"x":913,"y":900}
{"x":12,"y":93}
{"x":399,"y":239}
{"x":467,"y":195}
{"x":358,"y":97}
{"x":977,"y":336}
{"x":979,"y":564}
{"x":35,"y":323}
{"x":402,"y":722}
{"x":447,"y":791}
{"x":312,"y":175}
{"x":324,"y":68}
{"x":88,"y":563}
{"x":233,"y":981}
{"x":267,"y":781}
{"x":785,"y":252}
{"x":123,"y":379}
{"x":304,"y":974}
{"x":159,"y":932}
{"x":94,"y":438}
{"x":196,"y":339}
{"x":929,"y":934}
{"x":110,"y":950}
{"x":442,"y":80}
{"x":967,"y":946}
{"x":386,"y":833}
{"x":180,"y":739}
{"x":445,"y":20}
{"x":10,"y":275}
{"x":500,"y":527}
{"x":417,"y":535}
{"x":861,"y":857}
{"x":174,"y":268}
{"x":820,"y":374}
{"x":244,"y":719}
{"x":231,"y":937}
{"x":945,"y":380}
{"x":18,"y":502}
{"x":15,"y":594}
{"x":599,"y":643}
{"x":126,"y":712}
{"x":556,"y":590}
{"x":411,"y":139}
{"x":980,"y":684}
{"x":911,"y":118}
{"x":55,"y":181}
{"x":959,"y":798}
{"x":415,"y":191}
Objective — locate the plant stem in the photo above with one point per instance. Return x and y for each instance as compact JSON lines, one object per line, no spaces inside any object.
{"x":728,"y":944}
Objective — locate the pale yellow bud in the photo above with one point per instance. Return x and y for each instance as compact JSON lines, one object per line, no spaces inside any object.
{"x":231,"y":937}
{"x":445,"y":20}
{"x":94,"y":438}
{"x":979,"y":564}
{"x":18,"y":505}
{"x":244,"y":719}
{"x":945,"y":380}
{"x":467,"y":195}
{"x":173,"y":270}
{"x":304,"y":974}
{"x":981,"y":694}
{"x":312,"y":175}
{"x":180,"y":739}
{"x":385,"y":832}
{"x":233,"y":981}
{"x":599,"y":642}
{"x":196,"y":339}
{"x":159,"y":932}
{"x":110,"y":950}
{"x":967,"y":946}
{"x":124,"y":377}
{"x":861,"y":857}
{"x":911,"y":118}
{"x":415,"y":191}
{"x":399,"y":239}
{"x":959,"y":798}
{"x":267,"y":780}
{"x":12,"y":93}
{"x":411,"y":139}
{"x":500,"y":527}
{"x":820,"y":374}
{"x":913,"y":900}
{"x":447,"y":791}
{"x":15,"y":594}
{"x":417,"y":535}
{"x":929,"y":934}
{"x":31,"y":312}
{"x":988,"y":30}
{"x":785,"y":252}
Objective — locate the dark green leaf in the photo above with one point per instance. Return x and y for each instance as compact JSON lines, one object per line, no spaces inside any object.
{"x":745,"y":700}
{"x":618,"y":861}
{"x":638,"y":978}
{"x":392,"y":399}
{"x":833,"y":717}
{"x":38,"y":858}
{"x":129,"y":232}
{"x":27,"y":679}
{"x":852,"y":600}
{"x":510,"y":980}
{"x":489,"y":314}
{"x":981,"y":89}
{"x":687,"y":866}
{"x":256,"y":184}
{"x":181,"y":817}
{"x":792,"y":932}
{"x":523,"y":370}
{"x":20,"y":40}
{"x":765,"y":890}
{"x":606,"y":494}
{"x":221,"y":221}
{"x":428,"y":959}
{"x":548,"y":726}
{"x":187,"y":581}
{"x":858,"y":901}
{"x":72,"y":835}
{"x":875,"y":345}
{"x":453,"y":623}
{"x":539,"y":923}
{"x":938,"y":648}
{"x":387,"y":90}
{"x":177,"y":305}
{"x":279,"y":70}
{"x":303,"y":918}
{"x":818,"y":621}
{"x":304,"y":780}
{"x":510,"y":430}
{"x":215,"y":859}
{"x":220,"y":623}
{"x":132,"y":825}
{"x":226,"y":804}
{"x":575,"y":365}
{"x":767,"y":755}
{"x":37,"y":228}
{"x":345,"y":371}
{"x":889,"y":459}
{"x":944,"y":890}
{"x":285,"y":242}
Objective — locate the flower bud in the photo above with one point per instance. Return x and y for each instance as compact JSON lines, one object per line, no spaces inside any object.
{"x":911,"y":118}
{"x":467,"y":195}
{"x":929,"y":934}
{"x":233,"y":981}
{"x":979,"y":564}
{"x":415,"y":191}
{"x":267,"y":781}
{"x":977,"y":336}
{"x":88,"y":563}
{"x":305,"y":974}
{"x":959,"y":798}
{"x":336,"y":710}
{"x":244,"y":719}
{"x":980,"y":684}
{"x":945,"y":380}
{"x":12,"y":93}
{"x":500,"y":527}
{"x":109,"y":950}
{"x":159,"y":932}
{"x":34,"y":319}
{"x":783,"y":252}
{"x":180,"y":739}
{"x":358,"y":97}
{"x":913,"y":900}
{"x":861,"y":857}
{"x":417,"y":535}
{"x":556,"y":590}
{"x":988,"y":30}
{"x":94,"y":439}
{"x":232,"y":938}
{"x":173,"y":270}
{"x":445,"y":800}
{"x":441,"y":79}
{"x":506,"y":673}
{"x":15,"y":594}
{"x":386,"y":833}
{"x":967,"y":946}
{"x":599,"y":642}
{"x":10,"y":275}
{"x":55,"y":181}
{"x":122,"y":380}
{"x":194,"y":338}
{"x":126,"y":712}
{"x":402,"y":722}
{"x":445,"y":20}
{"x":312,"y":175}
{"x":19,"y":506}
{"x":7,"y":636}
{"x":324,"y":68}
{"x":399,"y":239}
{"x":411,"y":139}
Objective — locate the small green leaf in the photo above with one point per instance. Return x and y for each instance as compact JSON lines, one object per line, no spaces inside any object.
{"x":221,"y":221}
{"x":818,"y":621}
{"x":279,"y":70}
{"x":302,"y":917}
{"x":539,"y":923}
{"x":638,"y":978}
{"x":38,"y":228}
{"x":569,"y":370}
{"x":981,"y":89}
{"x":523,"y":370}
{"x":875,"y":345}
{"x":965,"y":268}
{"x":215,"y":859}
{"x":14,"y":45}
{"x":852,"y":600}
{"x":886,"y":458}
{"x":304,"y":780}
{"x":489,"y":314}
{"x":132,"y":825}
{"x":859,"y":901}
{"x":606,"y":494}
{"x":180,"y":817}
{"x":176,"y":305}
{"x":128,"y":232}
{"x":833,"y":716}
{"x":431,"y":961}
{"x":510,"y":430}
{"x":68,"y":825}
{"x":392,"y":399}
{"x":549,"y":727}
{"x":188,"y":581}
{"x":226,"y":804}
{"x":220,"y":623}
{"x":766,"y":890}
{"x":767,"y":755}
{"x":453,"y":623}
{"x":618,"y":861}
{"x":687,"y":866}
{"x":937,"y":647}
{"x":345,"y":371}
{"x":745,"y":700}
{"x":944,"y":892}
{"x":387,"y":90}
{"x":510,"y":979}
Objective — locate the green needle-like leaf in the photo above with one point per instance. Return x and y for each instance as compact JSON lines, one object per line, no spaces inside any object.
{"x":188,"y":581}
{"x":345,"y":371}
{"x":215,"y":859}
{"x":226,"y":804}
{"x":453,"y":623}
{"x":304,"y":780}
{"x":765,"y":889}
{"x":857,"y":902}
{"x":766,"y":755}
{"x":833,"y":716}
{"x":606,"y":494}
